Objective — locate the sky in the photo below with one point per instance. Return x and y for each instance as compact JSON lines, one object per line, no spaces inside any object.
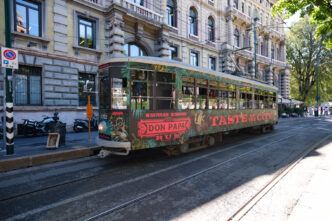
{"x":292,"y":20}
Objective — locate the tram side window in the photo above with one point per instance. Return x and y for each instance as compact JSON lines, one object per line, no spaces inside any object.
{"x":274,"y":100}
{"x":261,"y":101}
{"x":188,"y":92}
{"x":213,"y":99}
{"x":201,"y":93}
{"x":141,"y":90}
{"x":119,"y":93}
{"x":165,"y":91}
{"x":104,"y":92}
{"x":224,"y":100}
{"x":232,"y":100}
{"x":256,"y":104}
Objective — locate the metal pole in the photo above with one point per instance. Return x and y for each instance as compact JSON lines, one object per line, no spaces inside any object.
{"x":317,"y":79}
{"x":255,"y":42}
{"x":9,"y":87}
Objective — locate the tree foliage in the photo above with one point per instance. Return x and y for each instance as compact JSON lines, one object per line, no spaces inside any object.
{"x":302,"y":50}
{"x":320,"y":12}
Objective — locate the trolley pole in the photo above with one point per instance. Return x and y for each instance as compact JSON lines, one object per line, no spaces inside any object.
{"x":255,"y":43}
{"x":9,"y":88}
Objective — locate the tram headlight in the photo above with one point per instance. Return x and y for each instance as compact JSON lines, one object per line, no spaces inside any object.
{"x":102,"y":127}
{"x":123,"y":135}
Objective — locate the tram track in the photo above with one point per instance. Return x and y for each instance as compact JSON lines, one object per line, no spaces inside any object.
{"x":126,"y":167}
{"x":142,"y":164}
{"x":179,"y":181}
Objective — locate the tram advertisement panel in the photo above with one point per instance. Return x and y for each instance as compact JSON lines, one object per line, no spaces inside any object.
{"x":153,"y":129}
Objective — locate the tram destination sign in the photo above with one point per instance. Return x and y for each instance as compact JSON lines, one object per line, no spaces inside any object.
{"x":9,"y":58}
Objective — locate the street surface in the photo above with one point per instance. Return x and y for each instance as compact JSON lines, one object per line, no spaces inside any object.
{"x":211,"y":184}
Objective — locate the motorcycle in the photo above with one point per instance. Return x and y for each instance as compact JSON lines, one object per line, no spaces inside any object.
{"x":32,"y":127}
{"x":83,"y":124}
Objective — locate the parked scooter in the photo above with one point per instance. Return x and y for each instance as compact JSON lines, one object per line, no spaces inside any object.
{"x":83,"y":124}
{"x":32,"y":127}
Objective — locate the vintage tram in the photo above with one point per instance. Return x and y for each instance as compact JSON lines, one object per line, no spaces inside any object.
{"x":148,"y":102}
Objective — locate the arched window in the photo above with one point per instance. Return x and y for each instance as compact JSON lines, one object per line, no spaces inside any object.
{"x":236,"y":38}
{"x":133,"y":49}
{"x":171,"y":14}
{"x":236,"y":4}
{"x":193,"y":21}
{"x":211,"y":31}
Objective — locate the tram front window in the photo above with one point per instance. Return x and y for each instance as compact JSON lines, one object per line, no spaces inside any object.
{"x":119,"y":94}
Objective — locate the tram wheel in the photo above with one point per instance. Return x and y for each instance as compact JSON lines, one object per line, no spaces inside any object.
{"x":172,"y":150}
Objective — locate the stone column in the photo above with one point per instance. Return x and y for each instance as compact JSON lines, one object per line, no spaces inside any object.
{"x":269,"y":75}
{"x":185,"y":53}
{"x":116,"y":35}
{"x":251,"y":68}
{"x":230,"y":30}
{"x":285,"y":83}
{"x":163,"y":10}
{"x":227,"y":59}
{"x":163,"y":44}
{"x":283,"y":52}
{"x":60,"y":27}
{"x":269,"y":43}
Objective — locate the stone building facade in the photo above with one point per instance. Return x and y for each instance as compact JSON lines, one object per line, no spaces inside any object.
{"x":61,"y":42}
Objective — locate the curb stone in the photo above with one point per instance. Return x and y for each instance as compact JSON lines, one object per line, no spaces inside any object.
{"x":36,"y":160}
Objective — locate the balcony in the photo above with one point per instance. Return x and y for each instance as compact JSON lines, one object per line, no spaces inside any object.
{"x":277,"y":34}
{"x":141,"y":10}
{"x":99,"y":3}
{"x":238,"y":14}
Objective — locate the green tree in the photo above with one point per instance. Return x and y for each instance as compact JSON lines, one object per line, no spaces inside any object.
{"x":320,"y":12}
{"x":302,"y":50}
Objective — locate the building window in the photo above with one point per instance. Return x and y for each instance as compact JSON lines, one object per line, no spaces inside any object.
{"x":173,"y":52}
{"x":236,"y":4}
{"x":139,"y":2}
{"x":86,"y":33}
{"x":170,"y":11}
{"x":28,"y":86}
{"x":272,"y":51}
{"x":193,"y":21}
{"x":86,"y":87}
{"x":242,"y":7}
{"x":27,"y":17}
{"x":249,"y":11}
{"x":211,"y":29}
{"x":194,"y":58}
{"x":212,"y":63}
{"x":236,"y":38}
{"x":132,"y":50}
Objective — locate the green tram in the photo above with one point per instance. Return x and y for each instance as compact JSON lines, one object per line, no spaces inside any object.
{"x":148,"y":102}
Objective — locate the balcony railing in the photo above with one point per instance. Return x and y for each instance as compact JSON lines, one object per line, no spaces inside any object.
{"x":96,"y":2}
{"x":141,"y":10}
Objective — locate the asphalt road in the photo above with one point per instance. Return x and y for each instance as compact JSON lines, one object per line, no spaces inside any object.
{"x":210,"y":184}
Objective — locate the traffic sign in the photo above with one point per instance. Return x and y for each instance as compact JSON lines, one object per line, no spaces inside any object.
{"x":9,"y":58}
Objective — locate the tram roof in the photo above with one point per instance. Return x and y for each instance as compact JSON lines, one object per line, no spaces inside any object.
{"x":162,"y":61}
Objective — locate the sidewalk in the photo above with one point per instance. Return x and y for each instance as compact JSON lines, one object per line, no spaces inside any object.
{"x":32,"y":151}
{"x":314,"y":203}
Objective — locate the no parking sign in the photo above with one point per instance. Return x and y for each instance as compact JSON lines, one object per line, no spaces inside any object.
{"x":9,"y":58}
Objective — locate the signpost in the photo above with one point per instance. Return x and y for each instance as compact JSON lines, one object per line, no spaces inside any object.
{"x":89,"y":113}
{"x":9,"y":60}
